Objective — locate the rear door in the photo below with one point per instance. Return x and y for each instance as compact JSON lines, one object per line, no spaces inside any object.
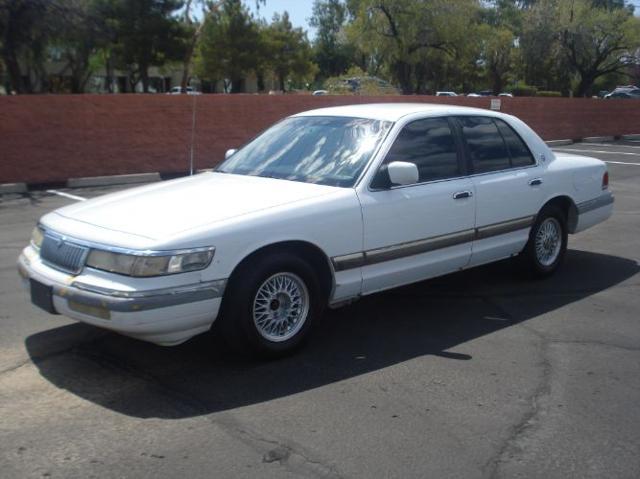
{"x":508,"y":183}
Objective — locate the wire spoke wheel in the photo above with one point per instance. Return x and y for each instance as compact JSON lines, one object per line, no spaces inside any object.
{"x":281,"y":307}
{"x":548,"y":241}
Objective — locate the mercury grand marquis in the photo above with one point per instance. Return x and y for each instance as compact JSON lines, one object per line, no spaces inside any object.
{"x":322,"y":208}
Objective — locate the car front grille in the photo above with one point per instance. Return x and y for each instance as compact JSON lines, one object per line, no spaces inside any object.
{"x":63,"y":255}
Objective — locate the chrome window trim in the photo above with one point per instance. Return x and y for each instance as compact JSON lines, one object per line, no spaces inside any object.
{"x":404,"y":121}
{"x":450,"y":179}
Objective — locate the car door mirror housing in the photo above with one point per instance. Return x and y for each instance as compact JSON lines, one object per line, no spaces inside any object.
{"x":402,"y":173}
{"x":229,"y":153}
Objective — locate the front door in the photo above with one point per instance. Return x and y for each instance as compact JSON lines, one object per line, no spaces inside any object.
{"x":414,"y":232}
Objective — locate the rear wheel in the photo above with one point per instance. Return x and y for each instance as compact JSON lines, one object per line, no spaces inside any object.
{"x":547,"y":243}
{"x":271,"y":305}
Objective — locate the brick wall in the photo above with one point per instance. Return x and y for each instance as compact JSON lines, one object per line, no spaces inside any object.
{"x":52,"y":138}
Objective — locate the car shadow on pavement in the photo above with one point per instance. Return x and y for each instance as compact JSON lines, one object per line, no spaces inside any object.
{"x":428,"y":318}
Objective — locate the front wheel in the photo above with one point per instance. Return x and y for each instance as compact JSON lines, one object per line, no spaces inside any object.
{"x":547,"y":243}
{"x":271,"y":304}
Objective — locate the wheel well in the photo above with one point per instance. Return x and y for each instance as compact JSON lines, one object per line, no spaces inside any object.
{"x":307,"y":251}
{"x":568,"y":207}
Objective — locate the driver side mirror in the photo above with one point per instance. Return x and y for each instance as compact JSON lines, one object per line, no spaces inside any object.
{"x":229,"y":153}
{"x":402,"y":173}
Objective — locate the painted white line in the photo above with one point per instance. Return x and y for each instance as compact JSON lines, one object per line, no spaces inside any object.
{"x":611,"y":145}
{"x":571,"y":150}
{"x":621,"y":163}
{"x":66,"y":195}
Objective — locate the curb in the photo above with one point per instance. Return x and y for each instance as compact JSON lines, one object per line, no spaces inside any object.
{"x":9,"y":188}
{"x":112,"y":180}
{"x":631,"y":137}
{"x":597,"y":139}
{"x":559,"y":142}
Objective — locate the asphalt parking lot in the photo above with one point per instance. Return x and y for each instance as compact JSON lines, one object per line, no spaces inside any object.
{"x":483,"y":373}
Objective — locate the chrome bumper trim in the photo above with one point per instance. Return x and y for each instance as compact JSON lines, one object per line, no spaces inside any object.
{"x":107,"y":299}
{"x":133,"y":301}
{"x":602,"y":200}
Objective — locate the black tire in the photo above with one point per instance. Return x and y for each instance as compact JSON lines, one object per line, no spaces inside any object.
{"x":237,"y":315}
{"x":536,"y":265}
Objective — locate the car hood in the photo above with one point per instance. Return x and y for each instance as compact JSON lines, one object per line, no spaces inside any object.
{"x":165,"y":209}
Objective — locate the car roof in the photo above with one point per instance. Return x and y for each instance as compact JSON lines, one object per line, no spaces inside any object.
{"x":395,"y":111}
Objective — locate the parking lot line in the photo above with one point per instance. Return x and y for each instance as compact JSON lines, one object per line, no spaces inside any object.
{"x":621,"y":163}
{"x":66,"y":195}
{"x":571,"y":150}
{"x":609,"y":145}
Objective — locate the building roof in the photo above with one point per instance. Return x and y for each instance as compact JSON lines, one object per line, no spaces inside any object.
{"x":394,"y":111}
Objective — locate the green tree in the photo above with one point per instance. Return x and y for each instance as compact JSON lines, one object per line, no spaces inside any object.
{"x":596,"y":41}
{"x":229,"y":46}
{"x":498,"y":55}
{"x":193,"y":30}
{"x":24,"y":35}
{"x":289,"y":51}
{"x":331,"y":51}
{"x":145,"y":34}
{"x":400,"y":31}
{"x":78,"y":35}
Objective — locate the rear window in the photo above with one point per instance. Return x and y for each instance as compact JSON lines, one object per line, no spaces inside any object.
{"x":486,"y":146}
{"x":518,"y":150}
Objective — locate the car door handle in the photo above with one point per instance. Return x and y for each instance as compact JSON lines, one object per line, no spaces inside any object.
{"x":535,"y":182}
{"x":462,"y":194}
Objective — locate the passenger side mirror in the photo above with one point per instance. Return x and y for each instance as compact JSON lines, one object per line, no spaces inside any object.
{"x":402,"y":173}
{"x":229,"y":153}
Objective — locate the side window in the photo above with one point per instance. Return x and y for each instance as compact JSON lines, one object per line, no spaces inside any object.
{"x":520,"y":153}
{"x":430,"y":145}
{"x":486,"y":146}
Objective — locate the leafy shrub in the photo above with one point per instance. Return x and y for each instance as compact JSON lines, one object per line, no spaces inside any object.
{"x":522,"y":89}
{"x":555,"y":94}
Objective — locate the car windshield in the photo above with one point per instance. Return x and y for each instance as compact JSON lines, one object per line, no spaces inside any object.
{"x":312,"y":149}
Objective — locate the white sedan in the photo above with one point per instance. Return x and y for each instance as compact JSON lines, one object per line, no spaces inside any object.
{"x":322,"y":208}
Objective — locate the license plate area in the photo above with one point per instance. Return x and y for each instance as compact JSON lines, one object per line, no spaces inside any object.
{"x":42,"y":296}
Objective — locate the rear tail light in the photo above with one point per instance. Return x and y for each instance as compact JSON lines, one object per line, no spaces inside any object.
{"x":605,"y":180}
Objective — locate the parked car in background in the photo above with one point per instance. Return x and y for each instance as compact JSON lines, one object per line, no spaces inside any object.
{"x":508,"y":95}
{"x":177,"y":90}
{"x":446,"y":93}
{"x":320,"y":93}
{"x":624,"y":94}
{"x":322,"y":208}
{"x":474,"y":95}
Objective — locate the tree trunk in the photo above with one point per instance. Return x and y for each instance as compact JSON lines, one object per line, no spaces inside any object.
{"x":585,"y":86}
{"x":186,"y":64}
{"x":144,"y":76}
{"x":109,"y":77}
{"x":236,"y":85}
{"x":13,"y":69}
{"x":498,"y":84}
{"x":281,"y":82}
{"x":403,"y":73}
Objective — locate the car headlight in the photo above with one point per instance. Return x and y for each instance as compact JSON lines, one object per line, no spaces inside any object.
{"x":36,"y":237}
{"x":150,"y":265}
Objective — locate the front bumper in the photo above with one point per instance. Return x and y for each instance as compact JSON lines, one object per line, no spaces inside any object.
{"x":165,"y":315}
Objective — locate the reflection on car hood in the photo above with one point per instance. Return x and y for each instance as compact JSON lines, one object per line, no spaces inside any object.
{"x":164,"y":209}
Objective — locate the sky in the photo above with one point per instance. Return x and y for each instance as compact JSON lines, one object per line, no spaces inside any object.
{"x":299,"y":11}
